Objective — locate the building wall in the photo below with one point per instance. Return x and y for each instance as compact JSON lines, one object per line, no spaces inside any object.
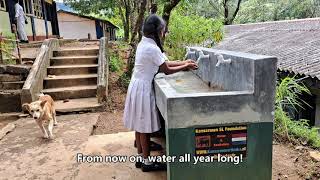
{"x":75,"y":27}
{"x":39,"y":25}
{"x":28,"y":27}
{"x":41,"y":28}
{"x":316,"y":92}
{"x":5,"y":22}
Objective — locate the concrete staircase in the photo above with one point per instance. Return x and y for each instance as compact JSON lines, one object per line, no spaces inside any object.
{"x":12,"y":78}
{"x":72,"y":79}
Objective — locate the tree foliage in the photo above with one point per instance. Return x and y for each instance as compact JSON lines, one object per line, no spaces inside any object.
{"x":271,"y":10}
{"x":226,"y":10}
{"x":191,"y":30}
{"x":125,"y":10}
{"x":251,"y":11}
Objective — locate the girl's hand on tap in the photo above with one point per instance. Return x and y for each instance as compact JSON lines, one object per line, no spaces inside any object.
{"x":192,"y":65}
{"x":189,"y":61}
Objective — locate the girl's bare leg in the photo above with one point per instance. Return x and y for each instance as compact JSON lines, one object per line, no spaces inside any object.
{"x":145,"y":144}
{"x":147,"y":165}
{"x":139,"y":148}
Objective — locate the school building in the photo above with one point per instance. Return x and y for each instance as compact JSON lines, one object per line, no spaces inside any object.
{"x":296,"y":45}
{"x":41,"y":15}
{"x":75,"y":26}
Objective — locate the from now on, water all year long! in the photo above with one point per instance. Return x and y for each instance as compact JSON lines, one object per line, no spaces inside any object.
{"x":186,"y":158}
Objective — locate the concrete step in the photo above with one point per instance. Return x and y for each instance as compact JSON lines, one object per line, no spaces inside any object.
{"x":70,"y":80}
{"x":11,"y":85}
{"x":77,"y":105}
{"x":73,"y":69}
{"x":72,"y":60}
{"x":79,"y":52}
{"x":73,"y":92}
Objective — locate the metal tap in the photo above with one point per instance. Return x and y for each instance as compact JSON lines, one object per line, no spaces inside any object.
{"x":202,"y":56}
{"x":221,"y":60}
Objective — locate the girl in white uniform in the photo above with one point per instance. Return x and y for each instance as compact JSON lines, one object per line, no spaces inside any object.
{"x":140,"y":113}
{"x":21,"y":20}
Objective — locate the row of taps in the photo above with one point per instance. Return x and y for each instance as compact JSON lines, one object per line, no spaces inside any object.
{"x":220,"y":57}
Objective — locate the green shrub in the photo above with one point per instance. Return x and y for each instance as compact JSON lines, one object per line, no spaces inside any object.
{"x":287,"y":95}
{"x":122,"y":45}
{"x":124,"y":80}
{"x":191,"y":30}
{"x":115,"y":64}
{"x":7,"y":48}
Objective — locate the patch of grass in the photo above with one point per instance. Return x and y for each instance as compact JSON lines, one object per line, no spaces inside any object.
{"x":295,"y":131}
{"x":287,"y":95}
{"x":116,"y":63}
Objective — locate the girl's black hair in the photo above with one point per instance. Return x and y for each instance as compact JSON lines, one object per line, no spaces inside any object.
{"x":152,"y":28}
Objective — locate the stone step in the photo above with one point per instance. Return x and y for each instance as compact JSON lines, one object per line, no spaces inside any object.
{"x":79,"y":52}
{"x":20,"y":70}
{"x":72,"y":60}
{"x":11,"y":85}
{"x":24,"y":59}
{"x":77,"y":105}
{"x":73,"y":69}
{"x":70,"y":80}
{"x":73,"y":92}
{"x":10,"y":78}
{"x":12,"y":116}
{"x":10,"y":101}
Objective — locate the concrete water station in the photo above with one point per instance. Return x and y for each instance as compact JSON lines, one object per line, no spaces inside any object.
{"x":223,"y":109}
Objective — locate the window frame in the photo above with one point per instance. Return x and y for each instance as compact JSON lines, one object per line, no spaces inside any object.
{"x":27,"y":7}
{"x":5,"y":6}
{"x":37,"y":8}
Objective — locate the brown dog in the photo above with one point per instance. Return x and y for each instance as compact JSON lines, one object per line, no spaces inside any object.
{"x":44,"y":113}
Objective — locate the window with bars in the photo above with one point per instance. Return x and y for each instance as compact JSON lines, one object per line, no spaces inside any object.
{"x":37,"y":7}
{"x":27,"y":7}
{"x":3,"y":5}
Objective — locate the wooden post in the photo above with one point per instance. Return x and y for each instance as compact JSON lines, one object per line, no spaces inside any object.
{"x":1,"y":58}
{"x":14,"y":28}
{"x":32,"y":22}
{"x":45,"y":17}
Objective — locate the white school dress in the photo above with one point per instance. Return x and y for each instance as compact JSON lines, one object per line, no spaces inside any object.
{"x":140,"y":113}
{"x":19,"y":14}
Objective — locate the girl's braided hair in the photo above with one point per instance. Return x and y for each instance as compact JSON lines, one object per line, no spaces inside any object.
{"x":152,"y":29}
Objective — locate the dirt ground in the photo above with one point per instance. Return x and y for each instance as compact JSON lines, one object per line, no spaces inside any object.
{"x":3,"y":123}
{"x":111,"y":121}
{"x":293,"y":162}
